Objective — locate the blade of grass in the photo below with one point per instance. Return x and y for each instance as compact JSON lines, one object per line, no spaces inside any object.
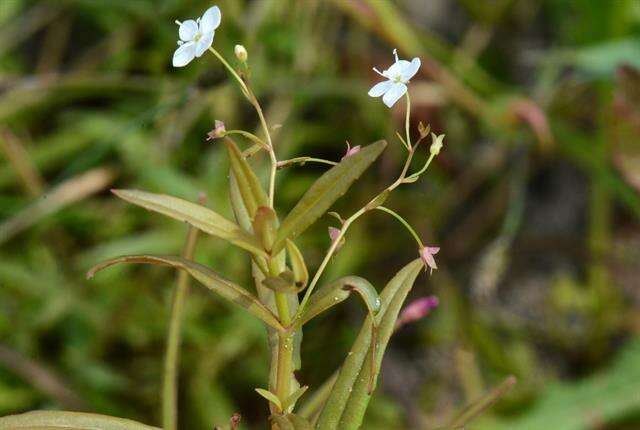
{"x":70,"y":191}
{"x":172,"y":354}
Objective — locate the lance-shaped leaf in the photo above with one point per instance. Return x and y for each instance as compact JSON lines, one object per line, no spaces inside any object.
{"x":253,"y":196}
{"x":198,"y":216}
{"x":325,"y":191}
{"x":210,"y":279}
{"x":272,"y":397}
{"x":350,"y":394}
{"x":299,"y":267}
{"x":338,"y":291}
{"x":265,"y":226}
{"x":69,"y":421}
{"x":291,"y":401}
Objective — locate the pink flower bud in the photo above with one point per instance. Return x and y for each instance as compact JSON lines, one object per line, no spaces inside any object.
{"x":417,"y":310}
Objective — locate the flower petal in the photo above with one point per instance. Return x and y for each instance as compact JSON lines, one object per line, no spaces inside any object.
{"x":410,"y":69}
{"x":184,"y":54}
{"x":204,"y":43}
{"x":188,"y":30}
{"x":396,"y":68}
{"x":380,"y":88}
{"x":396,"y":91}
{"x":210,"y":20}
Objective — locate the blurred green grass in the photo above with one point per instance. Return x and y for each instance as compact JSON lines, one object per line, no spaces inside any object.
{"x":534,"y":202}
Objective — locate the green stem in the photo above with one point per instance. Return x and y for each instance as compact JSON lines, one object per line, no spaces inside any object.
{"x":170,"y":381}
{"x":406,"y":120}
{"x":252,"y":137}
{"x":343,"y":230}
{"x":237,"y":77}
{"x":302,"y":160}
{"x":404,"y":222}
{"x":254,"y":101}
{"x":424,"y":168}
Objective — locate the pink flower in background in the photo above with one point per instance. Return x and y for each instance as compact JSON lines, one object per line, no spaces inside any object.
{"x":416,"y":310}
{"x":351,"y":151}
{"x":426,"y":254}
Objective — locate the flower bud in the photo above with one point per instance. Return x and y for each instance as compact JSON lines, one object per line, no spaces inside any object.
{"x":423,"y":130}
{"x":241,"y":53}
{"x":218,"y":131}
{"x":436,"y":146}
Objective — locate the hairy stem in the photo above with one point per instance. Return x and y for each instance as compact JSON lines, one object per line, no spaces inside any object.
{"x":170,"y":381}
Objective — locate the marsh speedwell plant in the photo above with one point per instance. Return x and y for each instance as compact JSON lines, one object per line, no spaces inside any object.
{"x":285,"y":296}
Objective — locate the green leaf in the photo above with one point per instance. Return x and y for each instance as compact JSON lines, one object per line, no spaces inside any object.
{"x":338,"y":291}
{"x":350,"y":395}
{"x":291,"y":422}
{"x":325,"y":191}
{"x":311,"y":408}
{"x":253,"y":196}
{"x":239,"y":209}
{"x":210,"y":279}
{"x":69,"y":421}
{"x":290,"y":402}
{"x":270,"y":397}
{"x":299,"y":267}
{"x":198,"y":216}
{"x":265,"y":226}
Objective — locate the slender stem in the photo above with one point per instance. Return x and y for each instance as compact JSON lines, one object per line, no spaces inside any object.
{"x":343,"y":230}
{"x":327,"y":258}
{"x":254,"y":101}
{"x":404,"y":222}
{"x":272,"y":176}
{"x":170,"y":381}
{"x":252,"y":137}
{"x":406,"y":120}
{"x":424,"y":168}
{"x":237,"y":77}
{"x":302,"y":160}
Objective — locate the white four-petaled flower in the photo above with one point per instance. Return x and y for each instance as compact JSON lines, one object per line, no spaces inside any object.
{"x":398,"y":75}
{"x":196,"y":36}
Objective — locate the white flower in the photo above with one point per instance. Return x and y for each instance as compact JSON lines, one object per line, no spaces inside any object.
{"x":436,"y":146}
{"x":398,"y":76}
{"x":196,"y":36}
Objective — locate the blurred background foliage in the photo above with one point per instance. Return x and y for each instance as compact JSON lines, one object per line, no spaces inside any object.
{"x":534,"y":200}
